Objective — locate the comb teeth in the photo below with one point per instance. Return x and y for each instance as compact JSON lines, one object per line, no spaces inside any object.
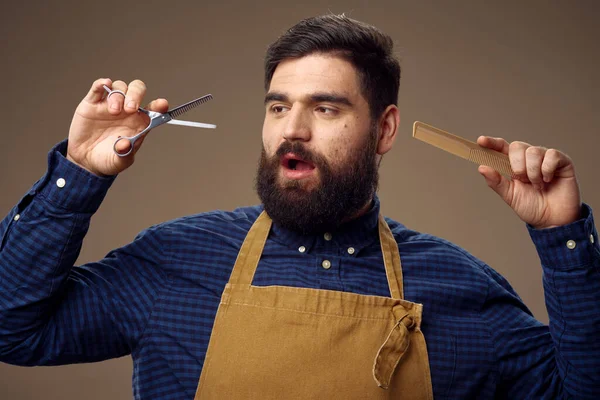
{"x":499,"y":162}
{"x":182,"y":109}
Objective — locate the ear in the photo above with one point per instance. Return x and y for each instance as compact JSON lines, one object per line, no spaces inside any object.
{"x":388,"y":125}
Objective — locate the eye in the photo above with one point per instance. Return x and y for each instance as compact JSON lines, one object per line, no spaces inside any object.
{"x":326,"y":110}
{"x":278,"y":109}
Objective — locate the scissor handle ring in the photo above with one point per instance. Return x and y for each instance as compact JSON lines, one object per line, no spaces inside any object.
{"x":153,"y":122}
{"x":113,"y":92}
{"x":131,"y":141}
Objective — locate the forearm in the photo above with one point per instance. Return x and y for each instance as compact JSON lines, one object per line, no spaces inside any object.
{"x":570,"y":258}
{"x":41,"y":239}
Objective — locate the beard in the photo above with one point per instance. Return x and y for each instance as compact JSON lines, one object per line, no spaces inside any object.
{"x":343,"y":190}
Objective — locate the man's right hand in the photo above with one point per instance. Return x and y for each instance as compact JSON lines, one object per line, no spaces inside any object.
{"x":99,"y":121}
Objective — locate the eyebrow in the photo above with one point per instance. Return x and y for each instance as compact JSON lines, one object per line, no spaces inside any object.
{"x":314,"y":98}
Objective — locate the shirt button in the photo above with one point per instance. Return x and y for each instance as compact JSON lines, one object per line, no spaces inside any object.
{"x":326,"y":264}
{"x":327,"y":236}
{"x":301,"y":249}
{"x":350,"y":250}
{"x":571,"y":244}
{"x":592,"y":239}
{"x":60,"y":182}
{"x":16,"y":218}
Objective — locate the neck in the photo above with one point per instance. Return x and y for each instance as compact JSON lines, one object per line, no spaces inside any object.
{"x":360,"y":212}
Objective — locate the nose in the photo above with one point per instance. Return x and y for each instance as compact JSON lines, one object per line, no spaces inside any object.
{"x":297,"y":126}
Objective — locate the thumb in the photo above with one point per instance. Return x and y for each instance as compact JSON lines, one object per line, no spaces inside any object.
{"x":160,"y":105}
{"x":496,"y":182}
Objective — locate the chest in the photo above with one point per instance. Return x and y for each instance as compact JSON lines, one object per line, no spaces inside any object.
{"x":457,"y":340}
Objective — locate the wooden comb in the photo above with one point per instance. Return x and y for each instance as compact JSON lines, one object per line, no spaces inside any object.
{"x":463,"y":148}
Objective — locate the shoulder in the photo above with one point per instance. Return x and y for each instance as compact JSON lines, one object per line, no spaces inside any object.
{"x":407,"y":236}
{"x":433,"y":264}
{"x":217,"y":223}
{"x":434,"y":251}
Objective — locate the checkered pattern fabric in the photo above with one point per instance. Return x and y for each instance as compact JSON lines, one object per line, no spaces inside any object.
{"x":156,"y":298}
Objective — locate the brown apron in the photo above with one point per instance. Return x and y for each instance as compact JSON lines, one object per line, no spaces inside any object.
{"x":278,"y":342}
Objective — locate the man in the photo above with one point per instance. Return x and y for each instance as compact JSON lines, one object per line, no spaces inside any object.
{"x":312,"y":294}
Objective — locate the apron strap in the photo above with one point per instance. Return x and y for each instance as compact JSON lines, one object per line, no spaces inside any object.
{"x":395,"y":346}
{"x":251,"y":251}
{"x":247,"y":259}
{"x":391,"y":259}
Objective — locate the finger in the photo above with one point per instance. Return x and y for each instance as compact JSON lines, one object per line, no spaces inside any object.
{"x":139,"y":142}
{"x":554,"y":161}
{"x":534,"y":156}
{"x":115,"y":102}
{"x":496,"y":182}
{"x":97,"y":92}
{"x":516,"y":155}
{"x":492,"y":143}
{"x":159,"y":105}
{"x":122,"y":146}
{"x":134,"y":95}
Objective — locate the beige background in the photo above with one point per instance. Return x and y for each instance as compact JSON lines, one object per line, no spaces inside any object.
{"x":524,"y":70}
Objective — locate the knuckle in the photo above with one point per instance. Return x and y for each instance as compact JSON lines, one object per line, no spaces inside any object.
{"x":515,"y":156}
{"x":119,"y":84}
{"x":519,"y":145}
{"x":519,"y":170}
{"x":553,"y":153}
{"x":138,"y":85}
{"x":517,"y":167}
{"x":534,"y":151}
{"x":533,"y":168}
{"x":547,"y":168}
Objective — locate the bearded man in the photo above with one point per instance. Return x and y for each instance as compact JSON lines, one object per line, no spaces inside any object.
{"x":313,"y":294}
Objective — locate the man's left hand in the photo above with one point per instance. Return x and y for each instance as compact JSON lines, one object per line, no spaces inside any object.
{"x":545,"y":192}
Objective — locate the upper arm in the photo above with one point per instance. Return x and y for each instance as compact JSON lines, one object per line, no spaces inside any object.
{"x":99,"y":312}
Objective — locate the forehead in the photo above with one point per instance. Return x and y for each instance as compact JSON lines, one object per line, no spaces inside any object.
{"x":316,"y":73}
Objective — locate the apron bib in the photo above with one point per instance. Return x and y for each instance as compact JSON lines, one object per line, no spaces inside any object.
{"x":279,"y":342}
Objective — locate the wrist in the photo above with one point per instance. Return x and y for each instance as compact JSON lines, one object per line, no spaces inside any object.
{"x":71,"y":159}
{"x":576,"y":215}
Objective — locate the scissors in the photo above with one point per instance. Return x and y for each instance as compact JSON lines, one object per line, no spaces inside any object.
{"x":158,"y":119}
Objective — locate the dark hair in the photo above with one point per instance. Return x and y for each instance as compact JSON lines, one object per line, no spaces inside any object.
{"x":368,"y":49}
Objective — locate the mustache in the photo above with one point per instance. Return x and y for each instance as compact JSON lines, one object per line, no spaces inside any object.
{"x":301,"y":151}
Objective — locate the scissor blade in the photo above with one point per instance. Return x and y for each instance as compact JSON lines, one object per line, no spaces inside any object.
{"x":177,"y":111}
{"x":192,"y":124}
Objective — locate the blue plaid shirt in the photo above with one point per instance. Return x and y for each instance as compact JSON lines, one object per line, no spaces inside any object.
{"x":156,"y":298}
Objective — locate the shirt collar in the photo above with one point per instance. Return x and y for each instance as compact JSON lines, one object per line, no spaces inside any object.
{"x":358,"y":234}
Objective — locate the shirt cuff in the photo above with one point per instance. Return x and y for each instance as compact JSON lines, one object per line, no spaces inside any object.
{"x":570,"y":246}
{"x":70,"y":187}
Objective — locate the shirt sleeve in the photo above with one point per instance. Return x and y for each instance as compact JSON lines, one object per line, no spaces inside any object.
{"x":52,"y":312}
{"x":561,"y":360}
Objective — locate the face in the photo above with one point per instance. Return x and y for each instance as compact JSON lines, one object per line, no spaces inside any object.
{"x":315,"y":100}
{"x":318,"y":165}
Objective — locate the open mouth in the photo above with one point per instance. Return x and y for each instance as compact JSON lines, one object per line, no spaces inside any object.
{"x":292,"y":162}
